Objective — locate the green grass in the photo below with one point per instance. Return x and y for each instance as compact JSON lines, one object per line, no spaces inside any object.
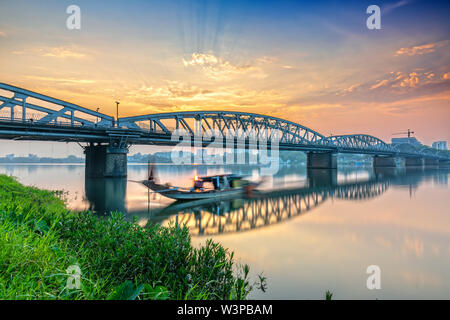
{"x":40,"y":239}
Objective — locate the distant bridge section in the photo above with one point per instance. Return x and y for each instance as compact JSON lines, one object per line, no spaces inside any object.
{"x":27,"y":115}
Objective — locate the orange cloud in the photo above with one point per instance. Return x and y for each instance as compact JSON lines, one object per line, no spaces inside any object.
{"x":380,"y":84}
{"x":219,"y":69}
{"x":63,"y":52}
{"x":62,"y":80}
{"x":411,"y":81}
{"x":420,"y":50}
{"x":53,"y":52}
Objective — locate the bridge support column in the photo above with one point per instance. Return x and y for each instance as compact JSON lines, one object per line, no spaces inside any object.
{"x":105,"y":161}
{"x":414,"y":162}
{"x":384,"y":162}
{"x":323,"y":160}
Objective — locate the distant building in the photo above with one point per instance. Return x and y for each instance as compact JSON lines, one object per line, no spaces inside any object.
{"x":412,"y":141}
{"x":440,"y":145}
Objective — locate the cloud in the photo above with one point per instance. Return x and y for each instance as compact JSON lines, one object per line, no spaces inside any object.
{"x":415,"y":79}
{"x":410,"y":81}
{"x":422,"y":49}
{"x":62,"y":80}
{"x":220,"y":69}
{"x":392,"y":87}
{"x":352,"y":88}
{"x":266,"y":60}
{"x":380,"y":84}
{"x":392,"y":6}
{"x":53,"y":52}
{"x":2,"y":34}
{"x":178,"y":95}
{"x":63,"y":52}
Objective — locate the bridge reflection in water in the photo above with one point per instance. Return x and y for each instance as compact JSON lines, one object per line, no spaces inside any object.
{"x":261,"y":209}
{"x":264,"y":209}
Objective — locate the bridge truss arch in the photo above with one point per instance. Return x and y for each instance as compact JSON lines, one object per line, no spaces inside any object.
{"x":359,"y":142}
{"x":225,"y":122}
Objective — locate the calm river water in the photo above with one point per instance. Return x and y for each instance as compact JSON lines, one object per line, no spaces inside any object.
{"x":317,"y":231}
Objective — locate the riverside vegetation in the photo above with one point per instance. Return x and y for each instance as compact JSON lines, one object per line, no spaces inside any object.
{"x":40,"y":238}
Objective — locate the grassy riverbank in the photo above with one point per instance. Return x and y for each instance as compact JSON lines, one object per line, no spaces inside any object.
{"x":40,"y":239}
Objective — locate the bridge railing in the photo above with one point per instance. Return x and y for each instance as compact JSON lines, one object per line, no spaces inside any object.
{"x":32,"y":121}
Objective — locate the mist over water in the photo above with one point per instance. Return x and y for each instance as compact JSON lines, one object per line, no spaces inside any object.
{"x":307,"y":231}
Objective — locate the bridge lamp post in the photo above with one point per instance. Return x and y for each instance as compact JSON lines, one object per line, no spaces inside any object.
{"x":117,"y":108}
{"x":96,"y":121}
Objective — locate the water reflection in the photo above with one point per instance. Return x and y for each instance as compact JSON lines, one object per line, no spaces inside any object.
{"x":271,"y":207}
{"x":106,"y":195}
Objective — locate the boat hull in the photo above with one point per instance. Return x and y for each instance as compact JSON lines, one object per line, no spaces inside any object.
{"x":175,"y":194}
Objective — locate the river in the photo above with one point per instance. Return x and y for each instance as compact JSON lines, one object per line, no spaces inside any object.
{"x":308,"y":232}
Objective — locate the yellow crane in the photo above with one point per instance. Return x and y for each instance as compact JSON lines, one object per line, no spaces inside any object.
{"x":408,"y":133}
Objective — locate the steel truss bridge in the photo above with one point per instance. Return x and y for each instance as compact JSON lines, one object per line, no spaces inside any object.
{"x":27,"y":115}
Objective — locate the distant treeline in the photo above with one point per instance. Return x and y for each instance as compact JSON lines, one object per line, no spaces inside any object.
{"x":287,"y":157}
{"x":32,"y":158}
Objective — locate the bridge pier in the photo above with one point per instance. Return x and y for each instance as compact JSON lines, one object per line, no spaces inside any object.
{"x":414,"y":162}
{"x":384,"y":162}
{"x":322,"y":160}
{"x":105,"y":161}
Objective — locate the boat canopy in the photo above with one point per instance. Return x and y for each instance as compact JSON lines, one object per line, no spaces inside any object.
{"x":221,"y":177}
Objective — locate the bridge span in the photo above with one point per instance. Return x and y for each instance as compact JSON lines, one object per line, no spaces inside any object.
{"x":27,"y":115}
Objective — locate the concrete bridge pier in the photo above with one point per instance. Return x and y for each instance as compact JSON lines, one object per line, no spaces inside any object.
{"x":384,"y":162}
{"x":414,"y":162}
{"x":106,"y":161}
{"x":321,"y":160}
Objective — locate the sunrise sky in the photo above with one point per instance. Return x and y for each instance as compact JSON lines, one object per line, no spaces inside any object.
{"x":315,"y":64}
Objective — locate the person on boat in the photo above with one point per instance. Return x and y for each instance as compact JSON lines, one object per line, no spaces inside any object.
{"x":216,"y":183}
{"x":198,"y":184}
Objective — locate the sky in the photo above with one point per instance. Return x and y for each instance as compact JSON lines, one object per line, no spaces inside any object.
{"x":316,"y":64}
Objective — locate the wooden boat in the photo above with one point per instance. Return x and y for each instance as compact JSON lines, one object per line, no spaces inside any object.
{"x":222,"y":187}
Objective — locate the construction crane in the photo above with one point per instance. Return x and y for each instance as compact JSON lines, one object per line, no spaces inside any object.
{"x":408,"y":133}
